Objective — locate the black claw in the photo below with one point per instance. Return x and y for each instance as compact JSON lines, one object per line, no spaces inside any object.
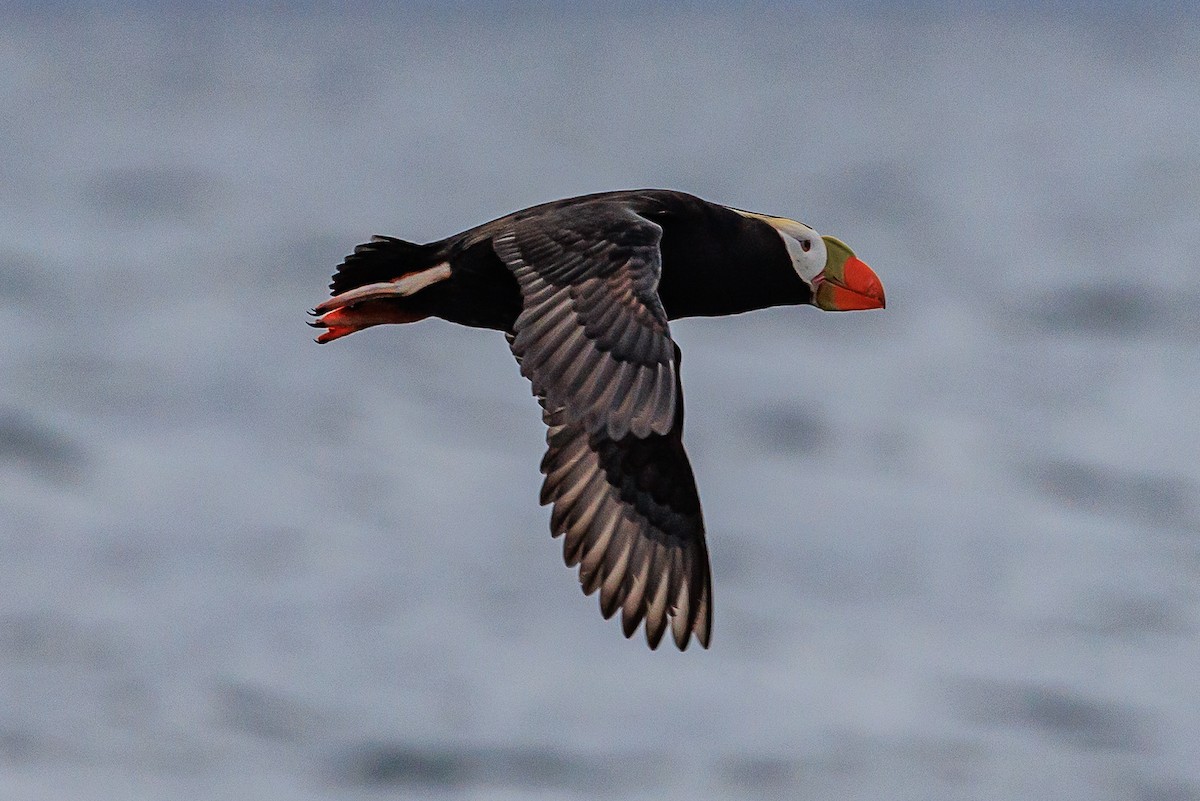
{"x":315,"y":323}
{"x":312,"y":312}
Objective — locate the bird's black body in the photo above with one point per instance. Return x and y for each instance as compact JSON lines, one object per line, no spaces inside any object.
{"x":583,"y":289}
{"x":715,"y":261}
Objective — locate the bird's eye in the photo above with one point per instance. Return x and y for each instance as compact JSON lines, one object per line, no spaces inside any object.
{"x":806,"y":245}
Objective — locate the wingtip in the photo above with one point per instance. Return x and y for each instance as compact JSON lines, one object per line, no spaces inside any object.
{"x":609,"y":604}
{"x":703,"y":631}
{"x":654,"y":635}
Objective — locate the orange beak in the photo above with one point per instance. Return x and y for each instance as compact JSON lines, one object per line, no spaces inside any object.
{"x":853,"y":287}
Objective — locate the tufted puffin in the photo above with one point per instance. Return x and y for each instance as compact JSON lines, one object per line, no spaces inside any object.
{"x":583,"y":289}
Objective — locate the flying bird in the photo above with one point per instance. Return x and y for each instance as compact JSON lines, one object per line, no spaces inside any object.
{"x":584,"y":289}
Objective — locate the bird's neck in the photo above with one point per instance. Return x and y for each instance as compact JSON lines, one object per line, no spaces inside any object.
{"x":719,"y":262}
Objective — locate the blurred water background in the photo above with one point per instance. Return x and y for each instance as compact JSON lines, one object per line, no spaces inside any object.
{"x":956,"y":544}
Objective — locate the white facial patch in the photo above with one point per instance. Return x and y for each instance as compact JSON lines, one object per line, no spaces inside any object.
{"x":807,"y":249}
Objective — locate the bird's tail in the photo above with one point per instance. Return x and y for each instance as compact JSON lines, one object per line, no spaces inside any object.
{"x":376,"y":284}
{"x":382,"y":259}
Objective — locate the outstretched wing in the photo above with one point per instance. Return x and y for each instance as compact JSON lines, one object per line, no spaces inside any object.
{"x":629,"y":514}
{"x":592,"y":335}
{"x":593,"y":340}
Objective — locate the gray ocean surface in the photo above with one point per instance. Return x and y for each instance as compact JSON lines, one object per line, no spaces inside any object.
{"x":956,"y":544}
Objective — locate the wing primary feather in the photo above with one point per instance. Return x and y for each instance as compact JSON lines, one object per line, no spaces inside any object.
{"x":656,"y":614}
{"x":579,"y":522}
{"x":596,"y":543}
{"x":612,"y":588}
{"x":641,"y":562}
{"x":681,"y":627}
{"x":594,"y":341}
{"x":703,"y":613}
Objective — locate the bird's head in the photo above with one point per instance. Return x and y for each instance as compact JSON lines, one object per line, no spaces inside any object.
{"x":839,"y":280}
